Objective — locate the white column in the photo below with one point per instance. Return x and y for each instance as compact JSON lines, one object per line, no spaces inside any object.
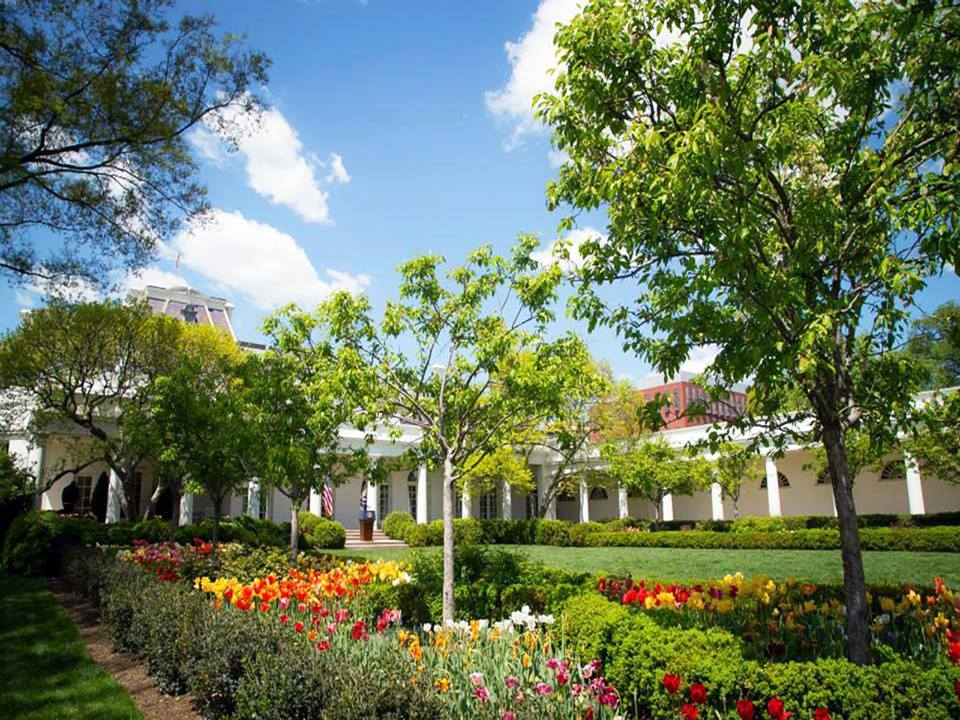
{"x":914,"y":485}
{"x":543,"y":480}
{"x":667,"y":509}
{"x":716,"y":501}
{"x":506,"y":503}
{"x":465,"y":510}
{"x":584,"y":501}
{"x":186,"y":509}
{"x":623,"y":502}
{"x":423,"y":496}
{"x":113,"y":497}
{"x":773,"y":488}
{"x":253,"y":498}
{"x":37,"y":462}
{"x":373,"y":500}
{"x":316,"y":503}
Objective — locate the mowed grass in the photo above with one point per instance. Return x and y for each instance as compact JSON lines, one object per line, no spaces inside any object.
{"x":689,"y":564}
{"x":45,"y":671}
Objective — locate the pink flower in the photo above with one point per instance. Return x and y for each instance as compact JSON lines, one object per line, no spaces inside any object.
{"x":481,"y":694}
{"x":543,"y":689}
{"x":511,"y":681}
{"x":342,"y":615}
{"x":476,"y":678}
{"x":519,"y":697}
{"x":553,"y":663}
{"x":284,"y":602}
{"x":302,"y":607}
{"x":563,"y":677}
{"x":509,"y":715}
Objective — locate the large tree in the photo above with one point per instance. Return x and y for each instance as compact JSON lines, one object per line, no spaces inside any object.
{"x":198,"y":408}
{"x":780,"y":179}
{"x":935,"y":342}
{"x":462,"y":355}
{"x":89,"y":368}
{"x":299,"y":394}
{"x":96,"y":100}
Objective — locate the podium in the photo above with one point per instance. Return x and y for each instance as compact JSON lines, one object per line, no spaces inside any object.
{"x":367,"y":520}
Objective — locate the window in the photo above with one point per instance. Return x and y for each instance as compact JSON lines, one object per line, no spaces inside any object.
{"x":598,"y":493}
{"x":263,"y":512}
{"x":488,"y":505}
{"x":458,"y":505}
{"x":189,"y":313}
{"x":893,"y":470}
{"x":412,"y":498}
{"x":782,"y":481}
{"x":84,"y":489}
{"x":383,"y":498}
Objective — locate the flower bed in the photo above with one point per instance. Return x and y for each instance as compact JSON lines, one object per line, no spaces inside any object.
{"x":801,"y":621}
{"x":316,"y":641}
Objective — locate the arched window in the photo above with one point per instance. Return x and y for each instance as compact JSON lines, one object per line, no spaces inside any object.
{"x":782,"y":481}
{"x":598,"y":493}
{"x":893,"y":470}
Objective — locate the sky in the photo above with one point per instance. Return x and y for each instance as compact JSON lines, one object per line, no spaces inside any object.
{"x":391,"y":129}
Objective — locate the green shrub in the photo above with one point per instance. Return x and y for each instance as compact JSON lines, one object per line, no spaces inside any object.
{"x":580,"y":531}
{"x":325,"y":534}
{"x":424,"y":535}
{"x":123,"y":611}
{"x":553,"y":532}
{"x":638,"y":651}
{"x":467,"y":531}
{"x":286,"y":681}
{"x":396,"y":524}
{"x":170,"y":625}
{"x":932,"y":539}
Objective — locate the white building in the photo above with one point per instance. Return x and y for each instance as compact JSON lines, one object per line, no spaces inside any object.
{"x":898,"y":488}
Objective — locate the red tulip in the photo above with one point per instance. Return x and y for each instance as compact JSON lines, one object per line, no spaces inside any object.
{"x":689,"y":712}
{"x":698,"y":694}
{"x":671,"y":682}
{"x":821,"y":714}
{"x":745,"y":709}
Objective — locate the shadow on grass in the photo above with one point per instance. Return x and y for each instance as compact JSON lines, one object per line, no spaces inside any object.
{"x":45,"y":671}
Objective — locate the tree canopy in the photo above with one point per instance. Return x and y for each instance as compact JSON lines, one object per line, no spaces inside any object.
{"x":463,"y":355}
{"x":96,"y":99}
{"x":780,"y":180}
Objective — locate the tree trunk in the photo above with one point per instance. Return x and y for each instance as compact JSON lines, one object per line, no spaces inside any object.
{"x":854,"y":583}
{"x":174,"y":516}
{"x":151,"y":508}
{"x":217,"y":513}
{"x":448,"y":606}
{"x":294,"y":529}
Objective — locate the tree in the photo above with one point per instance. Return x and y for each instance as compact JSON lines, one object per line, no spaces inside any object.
{"x":780,"y":179}
{"x":735,"y":466}
{"x":91,"y":366}
{"x":479,"y":373}
{"x":935,"y":342}
{"x":198,"y":410}
{"x":651,"y":469}
{"x":934,"y":436}
{"x":96,"y":100}
{"x":300,"y":393}
{"x":572,"y":436}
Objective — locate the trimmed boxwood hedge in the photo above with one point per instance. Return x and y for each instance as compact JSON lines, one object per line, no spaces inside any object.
{"x":637,"y":652}
{"x":930,"y":539}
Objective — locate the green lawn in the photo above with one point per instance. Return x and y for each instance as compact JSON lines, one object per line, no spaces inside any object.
{"x":45,"y":671}
{"x":684,"y":563}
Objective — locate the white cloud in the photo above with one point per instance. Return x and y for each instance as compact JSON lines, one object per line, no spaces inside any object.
{"x":256,"y":261}
{"x":534,"y":65}
{"x":532,"y":60}
{"x":276,"y":164}
{"x":700,"y":358}
{"x":151,"y":276}
{"x":566,"y":250}
{"x":338,"y":173}
{"x":25,"y":298}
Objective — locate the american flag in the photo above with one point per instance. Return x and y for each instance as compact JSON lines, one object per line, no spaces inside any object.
{"x":327,"y":500}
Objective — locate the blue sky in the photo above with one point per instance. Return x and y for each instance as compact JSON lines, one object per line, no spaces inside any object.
{"x":393,"y":129}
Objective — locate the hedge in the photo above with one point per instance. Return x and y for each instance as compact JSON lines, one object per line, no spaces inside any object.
{"x":637,"y":652}
{"x":37,"y":540}
{"x":396,"y":524}
{"x":931,"y":539}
